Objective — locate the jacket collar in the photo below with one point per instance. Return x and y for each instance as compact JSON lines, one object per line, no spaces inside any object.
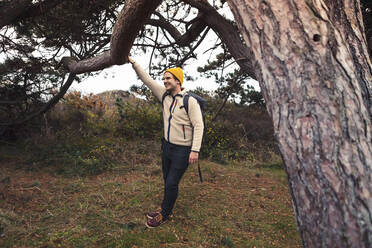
{"x":182,"y":93}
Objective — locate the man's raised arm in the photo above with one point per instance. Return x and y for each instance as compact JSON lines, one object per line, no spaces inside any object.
{"x":156,"y":88}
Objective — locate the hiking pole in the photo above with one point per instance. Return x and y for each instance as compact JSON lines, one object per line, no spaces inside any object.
{"x":200,"y":174}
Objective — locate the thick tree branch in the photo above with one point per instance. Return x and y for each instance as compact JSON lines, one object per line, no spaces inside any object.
{"x":197,"y":27}
{"x":228,"y":33}
{"x":87,"y":65}
{"x":130,"y":21}
{"x":48,"y":105}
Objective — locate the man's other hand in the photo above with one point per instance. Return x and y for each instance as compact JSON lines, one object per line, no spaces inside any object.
{"x":194,"y":156}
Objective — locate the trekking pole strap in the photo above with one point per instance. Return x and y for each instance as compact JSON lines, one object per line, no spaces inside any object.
{"x":200,"y":174}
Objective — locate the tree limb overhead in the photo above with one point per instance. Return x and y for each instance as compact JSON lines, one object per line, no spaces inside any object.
{"x":130,"y":21}
{"x":197,"y":27}
{"x":228,"y":33}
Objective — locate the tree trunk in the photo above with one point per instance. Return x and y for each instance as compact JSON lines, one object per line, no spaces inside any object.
{"x":314,"y":71}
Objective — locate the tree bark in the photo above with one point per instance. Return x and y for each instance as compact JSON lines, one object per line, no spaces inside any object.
{"x":96,"y":63}
{"x":130,"y":21}
{"x":183,"y":40}
{"x":315,"y":73}
{"x":227,"y":32}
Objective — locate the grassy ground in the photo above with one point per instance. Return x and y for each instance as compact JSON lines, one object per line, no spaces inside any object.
{"x":238,"y":205}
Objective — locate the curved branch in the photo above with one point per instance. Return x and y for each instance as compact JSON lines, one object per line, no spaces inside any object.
{"x":228,"y":33}
{"x":220,"y":108}
{"x":153,"y":50}
{"x":197,"y":27}
{"x":193,"y":48}
{"x":48,"y":105}
{"x":87,"y":65}
{"x":130,"y":21}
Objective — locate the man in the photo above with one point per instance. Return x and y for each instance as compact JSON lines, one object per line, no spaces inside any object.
{"x":183,"y":134}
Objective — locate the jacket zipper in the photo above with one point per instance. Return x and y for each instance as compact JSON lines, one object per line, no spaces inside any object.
{"x":175,"y":104}
{"x":183,"y":129}
{"x":170,"y":117}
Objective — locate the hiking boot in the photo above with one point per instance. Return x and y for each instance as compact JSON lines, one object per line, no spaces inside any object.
{"x":153,"y":214}
{"x":156,"y":221}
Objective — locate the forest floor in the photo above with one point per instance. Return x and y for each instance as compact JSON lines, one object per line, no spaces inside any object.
{"x":237,"y":205}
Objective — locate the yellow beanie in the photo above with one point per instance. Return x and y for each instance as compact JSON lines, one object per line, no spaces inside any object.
{"x":177,"y":72}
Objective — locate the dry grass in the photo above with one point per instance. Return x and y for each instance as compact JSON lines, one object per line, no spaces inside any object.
{"x":236,"y":206}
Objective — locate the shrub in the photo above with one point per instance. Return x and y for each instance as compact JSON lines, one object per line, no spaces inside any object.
{"x":79,"y":123}
{"x":140,"y":119}
{"x":239,"y":132}
{"x":70,"y":156}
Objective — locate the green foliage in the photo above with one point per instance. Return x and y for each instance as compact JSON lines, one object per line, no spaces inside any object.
{"x":226,"y":241}
{"x":233,"y":83}
{"x":216,"y":144}
{"x":69,"y":158}
{"x":238,"y":133}
{"x":82,"y":115}
{"x":140,"y":119}
{"x":32,"y":47}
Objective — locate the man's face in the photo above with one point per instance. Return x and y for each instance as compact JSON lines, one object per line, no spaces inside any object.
{"x":170,"y":82}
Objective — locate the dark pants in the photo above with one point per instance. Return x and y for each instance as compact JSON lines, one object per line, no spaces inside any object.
{"x":175,"y":160}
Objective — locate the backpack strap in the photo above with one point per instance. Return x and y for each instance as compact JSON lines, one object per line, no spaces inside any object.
{"x":166,"y":93}
{"x":186,"y":106}
{"x":186,"y":102}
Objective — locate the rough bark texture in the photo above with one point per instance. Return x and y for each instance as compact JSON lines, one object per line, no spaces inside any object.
{"x":131,"y":19}
{"x":315,"y":73}
{"x":88,"y":65}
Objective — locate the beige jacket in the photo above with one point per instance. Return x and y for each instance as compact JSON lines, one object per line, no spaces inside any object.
{"x":179,"y":128}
